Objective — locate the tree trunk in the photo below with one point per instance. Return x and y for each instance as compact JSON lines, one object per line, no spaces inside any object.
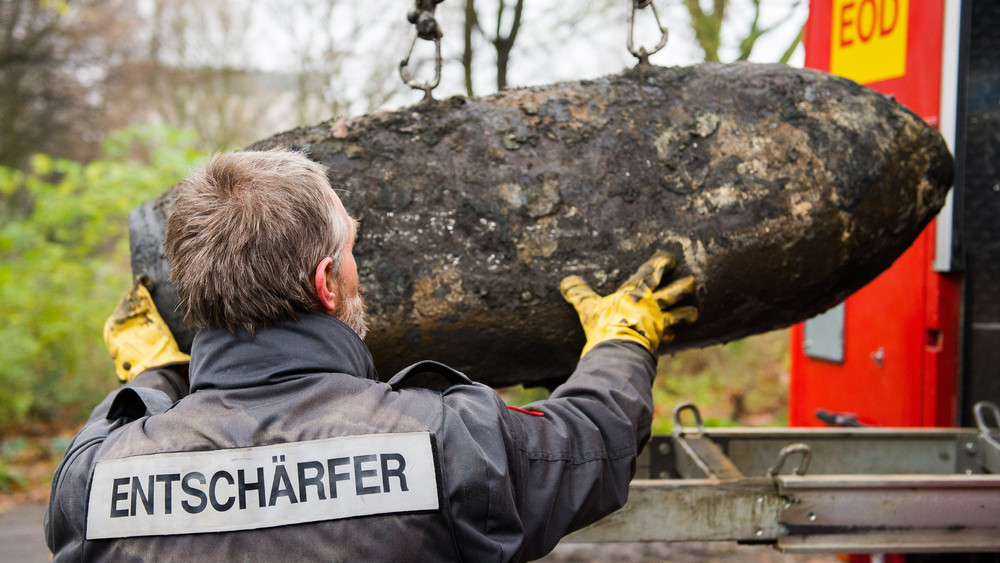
{"x":468,"y":27}
{"x":782,"y":190}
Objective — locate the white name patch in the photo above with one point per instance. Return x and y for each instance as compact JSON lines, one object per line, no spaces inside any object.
{"x":261,"y":487}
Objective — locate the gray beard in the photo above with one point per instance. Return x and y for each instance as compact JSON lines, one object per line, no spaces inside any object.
{"x":352,"y":313}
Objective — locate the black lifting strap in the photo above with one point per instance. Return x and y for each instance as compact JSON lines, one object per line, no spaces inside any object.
{"x":452,"y":376}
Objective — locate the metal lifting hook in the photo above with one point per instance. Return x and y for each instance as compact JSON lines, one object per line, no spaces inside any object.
{"x":786,"y":452}
{"x":678,"y":427}
{"x":422,"y":16}
{"x":642,"y":54}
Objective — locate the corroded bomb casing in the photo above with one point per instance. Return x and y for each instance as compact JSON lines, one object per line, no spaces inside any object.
{"x":782,"y":190}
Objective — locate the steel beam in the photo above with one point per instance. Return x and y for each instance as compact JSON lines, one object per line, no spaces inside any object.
{"x":868,"y":491}
{"x":902,"y":513}
{"x":676,"y":510}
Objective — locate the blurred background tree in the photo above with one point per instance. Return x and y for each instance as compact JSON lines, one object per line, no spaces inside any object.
{"x":63,"y":266}
{"x":53,"y":61}
{"x":233,"y":71}
{"x":106,"y":103}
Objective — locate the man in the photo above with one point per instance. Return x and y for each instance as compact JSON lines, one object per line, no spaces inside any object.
{"x":283,"y":445}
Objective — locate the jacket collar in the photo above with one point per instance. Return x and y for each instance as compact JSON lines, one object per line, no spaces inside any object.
{"x":314,"y":343}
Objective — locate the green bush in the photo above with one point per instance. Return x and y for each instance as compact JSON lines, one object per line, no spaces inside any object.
{"x":64,"y":263}
{"x":742,"y":383}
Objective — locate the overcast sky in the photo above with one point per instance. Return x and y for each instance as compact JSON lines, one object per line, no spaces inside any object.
{"x":550,"y":46}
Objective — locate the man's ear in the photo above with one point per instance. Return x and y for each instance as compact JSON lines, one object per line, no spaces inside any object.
{"x":325,"y":285}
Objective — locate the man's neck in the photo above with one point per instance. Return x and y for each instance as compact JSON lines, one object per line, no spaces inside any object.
{"x":315,"y":343}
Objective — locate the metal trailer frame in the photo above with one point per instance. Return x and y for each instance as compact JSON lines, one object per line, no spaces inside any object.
{"x":853,"y":490}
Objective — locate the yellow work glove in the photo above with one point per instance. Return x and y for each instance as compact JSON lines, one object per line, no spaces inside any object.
{"x":637,"y":312}
{"x":137,"y":336}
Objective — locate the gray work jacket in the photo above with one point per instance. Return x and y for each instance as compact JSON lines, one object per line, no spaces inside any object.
{"x":502,"y":485}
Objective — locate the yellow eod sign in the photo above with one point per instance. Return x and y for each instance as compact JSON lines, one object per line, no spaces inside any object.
{"x":868,"y":43}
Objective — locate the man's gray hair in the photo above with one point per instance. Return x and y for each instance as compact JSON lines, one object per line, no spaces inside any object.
{"x":245,"y":235}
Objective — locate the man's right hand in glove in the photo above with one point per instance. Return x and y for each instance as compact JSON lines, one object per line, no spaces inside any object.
{"x":638,"y":311}
{"x":137,"y":337}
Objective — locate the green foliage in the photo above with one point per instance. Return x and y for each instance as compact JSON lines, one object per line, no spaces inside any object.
{"x":742,"y":383}
{"x":11,"y":478}
{"x":519,"y":395}
{"x":27,"y":462}
{"x":64,"y":263}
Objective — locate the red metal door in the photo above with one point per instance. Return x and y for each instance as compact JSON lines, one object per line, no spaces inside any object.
{"x":897,"y":361}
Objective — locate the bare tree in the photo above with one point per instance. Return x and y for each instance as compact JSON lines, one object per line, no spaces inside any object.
{"x":714,"y":24}
{"x":71,"y":71}
{"x":502,"y":40}
{"x":316,"y":56}
{"x":469,"y":25}
{"x":197,"y":73}
{"x":343,"y":56}
{"x":708,"y":25}
{"x":53,"y":65}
